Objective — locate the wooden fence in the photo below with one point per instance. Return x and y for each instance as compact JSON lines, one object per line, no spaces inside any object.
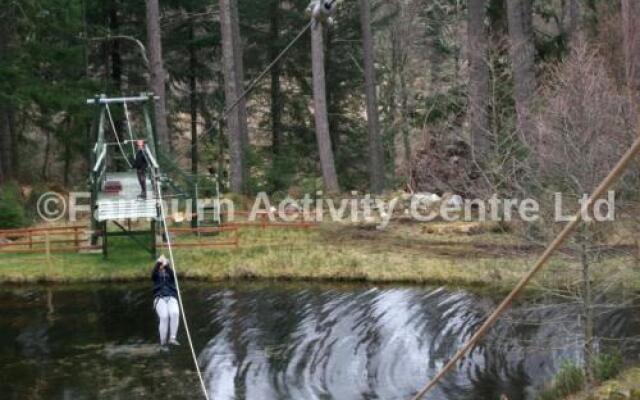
{"x":204,"y":241}
{"x":68,"y":239}
{"x":262,"y":221}
{"x":45,"y":240}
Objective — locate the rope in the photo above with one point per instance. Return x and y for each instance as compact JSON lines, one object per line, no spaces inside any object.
{"x":615,"y":173}
{"x":126,"y":114}
{"x":264,"y":72}
{"x":254,"y":82}
{"x":184,"y":315}
{"x":115,"y":132}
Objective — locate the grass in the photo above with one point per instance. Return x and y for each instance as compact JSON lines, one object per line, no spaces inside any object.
{"x":625,"y":386}
{"x":569,"y":380}
{"x":407,"y":253}
{"x":436,"y":254}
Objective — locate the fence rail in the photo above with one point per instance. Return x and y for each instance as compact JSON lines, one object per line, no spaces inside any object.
{"x":234,"y":240}
{"x":45,"y":240}
{"x":68,"y":239}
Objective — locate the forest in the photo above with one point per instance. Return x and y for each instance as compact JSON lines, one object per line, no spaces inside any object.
{"x":382,"y":104}
{"x":440,"y":96}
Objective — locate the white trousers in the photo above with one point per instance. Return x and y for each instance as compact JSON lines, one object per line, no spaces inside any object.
{"x":168,"y":316}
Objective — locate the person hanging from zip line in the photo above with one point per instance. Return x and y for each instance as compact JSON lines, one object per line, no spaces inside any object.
{"x":165,"y":302}
{"x":140,"y":163}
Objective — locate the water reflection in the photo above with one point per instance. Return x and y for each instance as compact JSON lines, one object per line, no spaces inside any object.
{"x":274,"y":341}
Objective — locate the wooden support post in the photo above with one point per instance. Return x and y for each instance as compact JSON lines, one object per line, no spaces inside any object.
{"x":47,"y":248}
{"x":105,"y":235}
{"x":154,"y":247}
{"x":76,"y":238}
{"x":30,"y":239}
{"x":95,"y":137}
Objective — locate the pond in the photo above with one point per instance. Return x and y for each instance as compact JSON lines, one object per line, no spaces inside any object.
{"x":285,"y":341}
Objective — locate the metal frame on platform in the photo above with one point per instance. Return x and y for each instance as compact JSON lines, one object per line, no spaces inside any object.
{"x":98,"y":160}
{"x":99,"y":157}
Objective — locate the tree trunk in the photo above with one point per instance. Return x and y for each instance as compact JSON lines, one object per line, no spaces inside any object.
{"x":116,"y":59}
{"x":573,"y":13}
{"x":399,"y":99}
{"x":478,"y":37}
{"x":320,"y":109}
{"x":13,"y":133}
{"x":116,"y":71}
{"x":47,"y":151}
{"x":7,"y":33}
{"x":157,"y":72}
{"x":436,"y":58}
{"x":333,"y":104}
{"x":522,"y":53}
{"x":631,"y":36}
{"x":193,"y":106}
{"x":5,"y":145}
{"x":587,"y":303}
{"x":276,"y":95}
{"x":68,"y":156}
{"x":231,"y":89}
{"x":376,"y":155}
{"x":239,"y":65}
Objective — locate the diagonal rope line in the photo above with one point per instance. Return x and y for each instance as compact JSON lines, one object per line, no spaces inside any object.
{"x":184,"y":315}
{"x":612,"y":177}
{"x":253,"y":83}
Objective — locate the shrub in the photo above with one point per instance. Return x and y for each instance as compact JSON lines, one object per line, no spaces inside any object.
{"x":607,"y":366}
{"x":569,"y":380}
{"x":12,"y":213}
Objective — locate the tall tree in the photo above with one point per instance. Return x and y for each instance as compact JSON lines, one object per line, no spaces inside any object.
{"x":573,"y":14}
{"x":522,"y":54}
{"x":7,"y":32}
{"x":116,"y":59}
{"x":398,"y":97}
{"x":239,"y":66}
{"x":631,"y":36}
{"x":376,"y":155}
{"x":232,"y":89}
{"x":5,"y":143}
{"x":276,"y":95}
{"x":157,"y":72}
{"x":193,"y":111}
{"x":477,"y":38}
{"x":323,"y":136}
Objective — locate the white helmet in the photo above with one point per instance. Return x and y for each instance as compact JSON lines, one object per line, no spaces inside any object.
{"x":162,"y":260}
{"x":321,"y":10}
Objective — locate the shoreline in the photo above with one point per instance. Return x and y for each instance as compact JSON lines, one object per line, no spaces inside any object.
{"x":405,"y":254}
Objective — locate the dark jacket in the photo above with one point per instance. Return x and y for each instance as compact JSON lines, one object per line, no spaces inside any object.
{"x":164,"y":282}
{"x":140,"y":162}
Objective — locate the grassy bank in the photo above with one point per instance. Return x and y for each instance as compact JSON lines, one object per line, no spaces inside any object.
{"x":626,"y":386}
{"x":410,"y":253}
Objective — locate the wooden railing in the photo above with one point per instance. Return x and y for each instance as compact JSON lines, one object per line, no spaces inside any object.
{"x":203,"y":242}
{"x":44,"y":240}
{"x":262,"y":221}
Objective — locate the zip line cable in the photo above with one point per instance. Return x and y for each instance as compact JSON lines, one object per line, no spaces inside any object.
{"x":159,"y":200}
{"x":604,"y":185}
{"x":160,"y":203}
{"x":255,"y":81}
{"x":226,"y":111}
